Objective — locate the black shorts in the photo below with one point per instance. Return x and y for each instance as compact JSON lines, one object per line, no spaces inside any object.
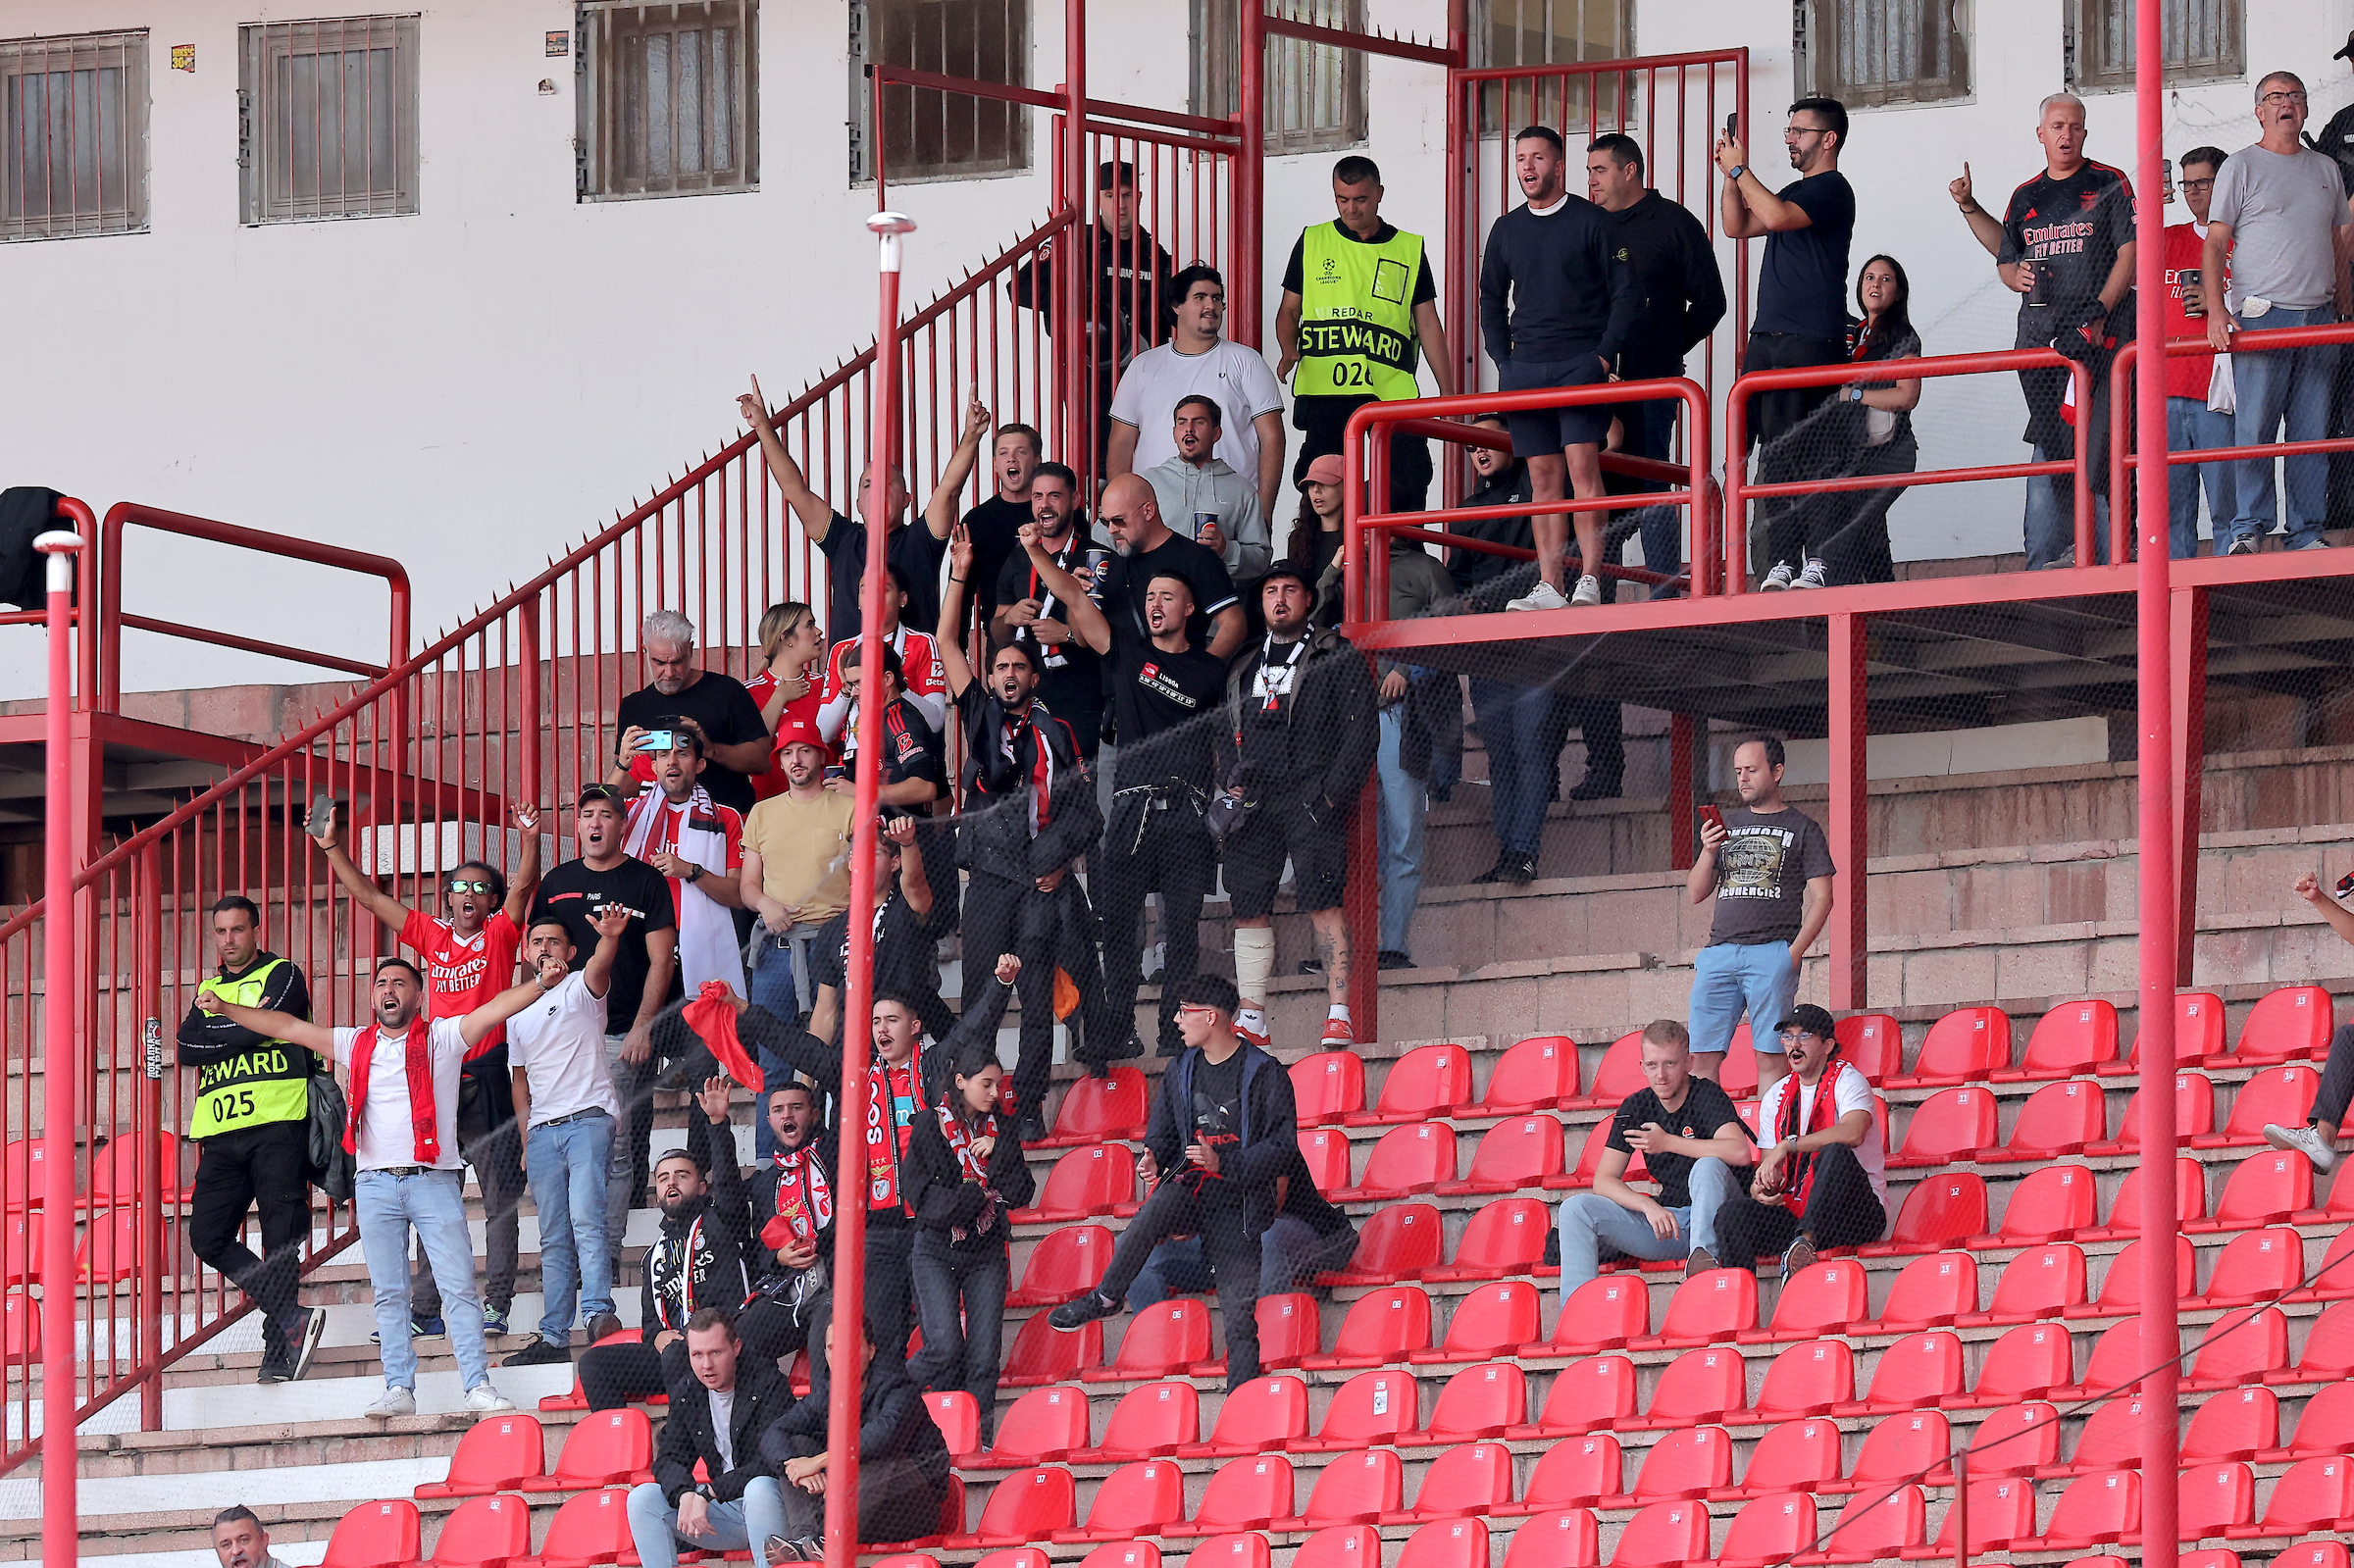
{"x":1280,"y":828}
{"x":1548,"y":432}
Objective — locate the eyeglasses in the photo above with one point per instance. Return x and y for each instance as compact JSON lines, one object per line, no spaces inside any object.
{"x":2273,"y":100}
{"x":1793,"y":132}
{"x":1195,"y":1007}
{"x":2197,"y":184}
{"x":470,"y":887}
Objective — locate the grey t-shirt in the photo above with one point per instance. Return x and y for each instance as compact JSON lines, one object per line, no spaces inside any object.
{"x":1762,"y":870}
{"x":723,"y":1417}
{"x":2281,"y":208}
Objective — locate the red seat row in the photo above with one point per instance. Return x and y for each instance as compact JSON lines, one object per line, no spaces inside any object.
{"x":508,"y":1454}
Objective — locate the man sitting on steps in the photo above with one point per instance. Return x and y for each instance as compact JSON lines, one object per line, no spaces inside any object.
{"x":1822,"y":1179}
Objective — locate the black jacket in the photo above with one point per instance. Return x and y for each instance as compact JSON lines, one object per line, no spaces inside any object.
{"x":762,"y":1399}
{"x":1675,"y":272}
{"x":992,"y":827}
{"x":946,"y":1202}
{"x":893,"y":1423}
{"x":209,"y":1037}
{"x":1124,"y":320}
{"x":1269,"y":1144}
{"x":718,"y":1270}
{"x":1474,"y":569}
{"x":1318,"y":750}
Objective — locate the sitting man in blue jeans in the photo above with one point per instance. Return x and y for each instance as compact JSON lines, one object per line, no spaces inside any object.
{"x":719,"y":1416}
{"x":1693,"y":1143}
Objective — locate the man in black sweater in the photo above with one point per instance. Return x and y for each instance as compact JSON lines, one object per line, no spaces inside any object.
{"x":719,"y":1413}
{"x":1557,"y":303}
{"x":1223,"y":1134}
{"x":699,"y":1260}
{"x":902,"y":1459}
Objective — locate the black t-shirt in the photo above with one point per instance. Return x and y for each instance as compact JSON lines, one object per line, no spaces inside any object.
{"x":728,"y":715}
{"x":1128,"y":576}
{"x":2072,"y":230}
{"x":912,"y":549}
{"x":902,"y":949}
{"x":1071,"y":680}
{"x":1802,"y":286}
{"x":1762,"y":874}
{"x":1164,"y":706}
{"x":1706,"y":1108}
{"x":574,"y":892}
{"x":911,"y":749}
{"x":991,"y":526}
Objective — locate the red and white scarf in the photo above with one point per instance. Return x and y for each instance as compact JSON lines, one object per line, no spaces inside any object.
{"x":804,"y":1198}
{"x":707,"y":946}
{"x":419,"y":1066}
{"x":886,"y":1144}
{"x":960,"y":1144}
{"x":1799,"y":1179}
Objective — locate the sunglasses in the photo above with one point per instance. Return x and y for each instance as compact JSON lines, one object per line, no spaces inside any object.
{"x":470,"y":887}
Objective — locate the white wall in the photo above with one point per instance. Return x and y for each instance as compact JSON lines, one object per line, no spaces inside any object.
{"x":474,"y":387}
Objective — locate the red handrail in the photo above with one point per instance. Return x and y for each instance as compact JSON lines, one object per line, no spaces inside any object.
{"x":2244,"y":340}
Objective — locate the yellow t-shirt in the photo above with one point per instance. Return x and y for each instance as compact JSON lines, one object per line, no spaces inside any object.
{"x":804,"y":850}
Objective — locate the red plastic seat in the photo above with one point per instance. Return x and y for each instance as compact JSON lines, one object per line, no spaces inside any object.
{"x":1246,"y":1494}
{"x":1260,"y":1417}
{"x":1930,"y":1293}
{"x":1044,"y":1424}
{"x":1875,"y":1528}
{"x":1687,"y":1463}
{"x":1618,"y":1075}
{"x":1042,"y":1353}
{"x":1247,"y":1549}
{"x":1795,"y":1457}
{"x":2027,"y":1363}
{"x":1951,"y":1125}
{"x":590,"y":1528}
{"x":2194,"y":1114}
{"x":1575,"y":1472}
{"x":1602,"y":1314}
{"x":2283,"y":1095}
{"x":2338,"y":1210}
{"x":1161,"y":1340}
{"x":1709,"y":1308}
{"x":1478,"y":1403}
{"x":1663,"y":1535}
{"x":2018,"y":1439}
{"x":1474,"y":1478}
{"x":2001,"y":1509}
{"x":2285,"y":1023}
{"x":2070,"y":1039}
{"x":1099,"y":1109}
{"x":2111,"y":1439}
{"x":1918,"y":1371}
{"x":2198,"y":1033}
{"x":2244,"y":1347}
{"x":1941,"y":1208}
{"x":1585,"y":1396}
{"x":577,"y":1399}
{"x":2254,"y":1265}
{"x":108,"y":1252}
{"x":2056,"y":1119}
{"x":1327,"y":1086}
{"x":1505,"y":1236}
{"x":1494,"y":1320}
{"x":2213,"y":1557}
{"x":1962,"y":1047}
{"x":1084,"y":1184}
{"x":2212,"y":1499}
{"x":2235,"y":1424}
{"x":1519,"y":1152}
{"x":2051,"y":1204}
{"x":1371,"y":1408}
{"x":2260,"y":1189}
{"x":1873,"y":1043}
{"x":1356,"y":1489}
{"x":606,"y":1448}
{"x":2325,"y":1426}
{"x":2311,"y":1495}
{"x":2121,"y":1286}
{"x":1768,"y":1530}
{"x":2043,"y":1282}
{"x":1427,"y":1081}
{"x":1564,"y":1537}
{"x":1408,"y":1159}
{"x":115,"y":1172}
{"x":1826,"y":1298}
{"x":1111,"y":1554}
{"x":1701,"y":1385}
{"x":1028,"y":1505}
{"x":492,"y":1455}
{"x":1325,"y":1152}
{"x":2096,"y":1511}
{"x":1898,"y":1449}
{"x":1290,"y":1329}
{"x":1806,"y":1380}
{"x":21,"y":1249}
{"x":1539,"y":1073}
{"x":1381,"y":1328}
{"x":2115,"y":1366}
{"x":2124,"y":1210}
{"x":2308,"y":1554}
{"x":486,"y":1531}
{"x":1589,"y":1158}
{"x":2329,"y":1355}
{"x":957,"y":1415}
{"x":25,"y":1173}
{"x":1398,"y":1243}
{"x":374,"y":1534}
{"x":1738,"y":1076}
{"x":1444,"y":1542}
{"x":1135,"y":1499}
{"x":1063,"y":1266}
{"x":1150,"y":1421}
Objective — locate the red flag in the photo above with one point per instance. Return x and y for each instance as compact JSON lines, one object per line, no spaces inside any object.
{"x":712,"y":1017}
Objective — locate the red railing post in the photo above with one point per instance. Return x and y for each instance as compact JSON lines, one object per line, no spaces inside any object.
{"x":1850,"y":792}
{"x":1736,"y":488}
{"x":1682,"y":823}
{"x":146,"y":987}
{"x":527,"y":705}
{"x":2189,"y":683}
{"x":1250,"y":170}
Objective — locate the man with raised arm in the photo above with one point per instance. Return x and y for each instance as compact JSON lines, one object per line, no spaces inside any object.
{"x":1070,"y":677}
{"x":1144,"y":548}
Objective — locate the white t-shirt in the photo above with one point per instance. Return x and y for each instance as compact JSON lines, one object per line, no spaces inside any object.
{"x":1851,"y":1091}
{"x":559,"y":1042}
{"x":386,"y":1136}
{"x":1237,"y":376}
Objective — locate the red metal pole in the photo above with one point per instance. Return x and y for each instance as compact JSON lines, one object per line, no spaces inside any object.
{"x":1848,"y":794}
{"x":1681,"y":819}
{"x":857,"y":1035}
{"x":1249,"y":169}
{"x":60,"y":1541}
{"x":527,"y":707}
{"x":2160,"y":913}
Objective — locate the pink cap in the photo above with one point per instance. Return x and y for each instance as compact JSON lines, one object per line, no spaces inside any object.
{"x":1326,"y":470}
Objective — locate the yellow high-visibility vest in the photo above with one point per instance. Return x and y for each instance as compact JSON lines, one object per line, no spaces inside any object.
{"x":1357,"y":314}
{"x":271,"y":1083}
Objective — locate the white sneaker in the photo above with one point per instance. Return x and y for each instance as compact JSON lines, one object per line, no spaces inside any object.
{"x":1776,"y":579}
{"x":2316,"y":542}
{"x":391,"y":1403}
{"x":1588,"y":591}
{"x":1544,"y":596}
{"x":484,"y":1400}
{"x":1811,"y":577}
{"x":2303,"y":1141}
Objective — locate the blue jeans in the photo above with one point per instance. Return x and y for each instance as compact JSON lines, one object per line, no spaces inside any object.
{"x":748,"y":1520}
{"x":782,"y":985}
{"x":1517,"y":726}
{"x":1403,"y":806}
{"x":2290,"y":386}
{"x":2192,"y":426}
{"x":2051,"y":529}
{"x":568,"y":1165}
{"x":1590,"y":1221}
{"x":434,"y":1204}
{"x":1728,"y":979}
{"x":1289,"y":1256}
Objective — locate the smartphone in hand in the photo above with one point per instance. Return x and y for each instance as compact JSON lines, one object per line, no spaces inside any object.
{"x":1732,"y":125}
{"x":1710,"y":815}
{"x":323,"y":814}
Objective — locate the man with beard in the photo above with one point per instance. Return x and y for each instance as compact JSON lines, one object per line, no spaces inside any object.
{"x":403,"y":1131}
{"x":1070,"y":679}
{"x":735,"y":739}
{"x":677,"y":826}
{"x":904,"y":962}
{"x":1017,"y":452}
{"x":792,"y":1201}
{"x":700,"y":1259}
{"x":1145,"y":548}
{"x":240,"y":1542}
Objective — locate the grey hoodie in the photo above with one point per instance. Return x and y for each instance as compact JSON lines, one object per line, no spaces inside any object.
{"x":1181,"y":490}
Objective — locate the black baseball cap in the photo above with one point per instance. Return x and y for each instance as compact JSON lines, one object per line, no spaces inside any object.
{"x":602,"y":792}
{"x":1288,"y":568}
{"x":1814,"y":1020}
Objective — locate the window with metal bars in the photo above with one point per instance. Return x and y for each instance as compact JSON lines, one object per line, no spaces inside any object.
{"x":1868,"y":52}
{"x":1510,"y":34}
{"x":669,"y":99}
{"x":1314,"y":93}
{"x":74,"y":140}
{"x":327,"y":119}
{"x":927,"y":133}
{"x":2206,"y":40}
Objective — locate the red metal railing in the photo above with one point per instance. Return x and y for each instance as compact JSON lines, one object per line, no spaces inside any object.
{"x":78,"y":516}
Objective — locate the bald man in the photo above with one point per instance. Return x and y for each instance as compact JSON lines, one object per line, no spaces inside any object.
{"x":1146,"y":549}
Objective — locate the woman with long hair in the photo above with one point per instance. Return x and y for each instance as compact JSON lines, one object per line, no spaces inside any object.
{"x":1315,"y":536}
{"x":792,"y":647}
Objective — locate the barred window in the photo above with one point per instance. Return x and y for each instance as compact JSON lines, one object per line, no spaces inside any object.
{"x":1508,"y":33}
{"x":1314,"y":93}
{"x":2206,"y":40}
{"x":1867,"y":52}
{"x":927,"y":133}
{"x":73,"y":143}
{"x":668,"y":99}
{"x":327,"y":119}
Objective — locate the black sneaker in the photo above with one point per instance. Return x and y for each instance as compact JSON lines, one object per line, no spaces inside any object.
{"x":303,"y":1345}
{"x":1501,"y":871}
{"x":1523,"y":870}
{"x":1032,"y":1128}
{"x":603,"y":1324}
{"x":538,"y":1354}
{"x":278,"y":1366}
{"x":1098,"y":1062}
{"x":1392,"y":958}
{"x":1596,"y":788}
{"x":1072,"y":1316}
